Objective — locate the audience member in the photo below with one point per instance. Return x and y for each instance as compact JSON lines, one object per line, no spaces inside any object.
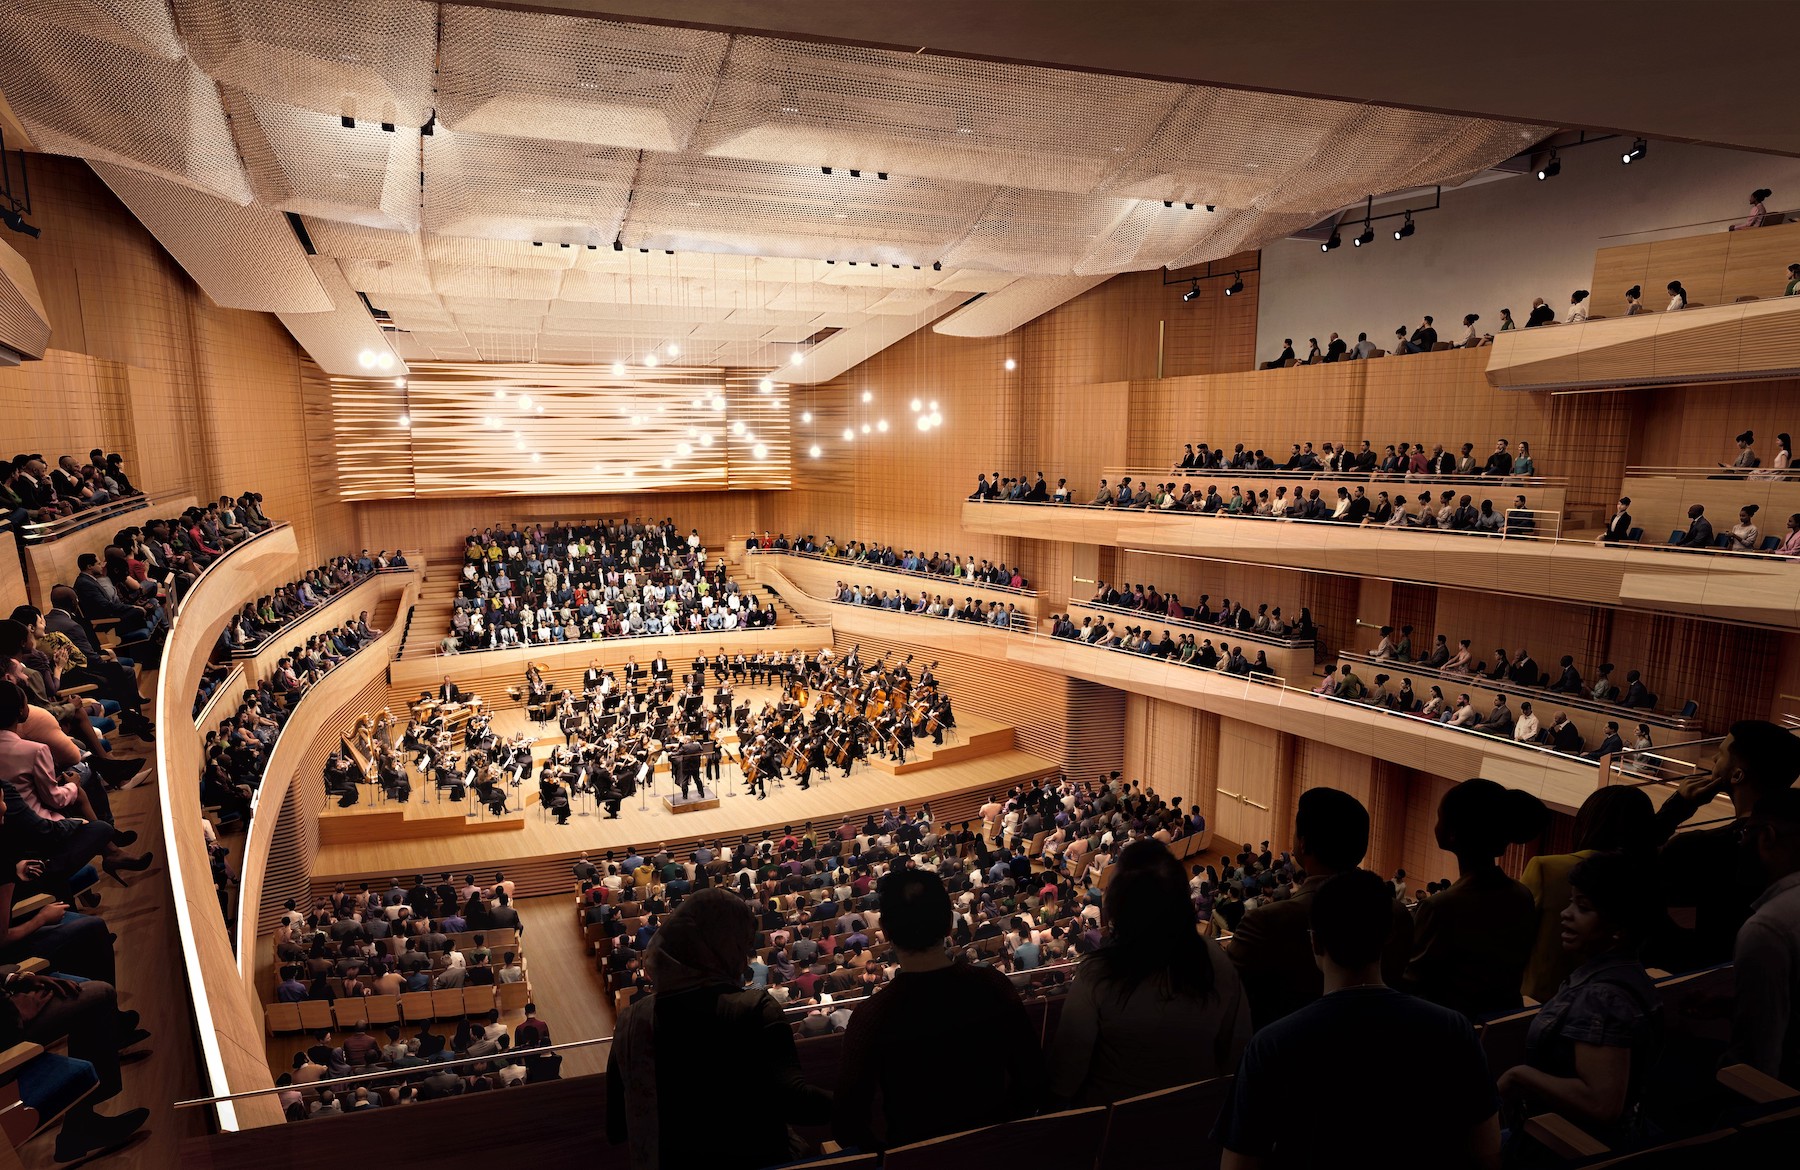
{"x":1615,"y":818}
{"x":1765,"y":1027}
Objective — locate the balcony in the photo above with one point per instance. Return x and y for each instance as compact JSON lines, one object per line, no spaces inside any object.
{"x":1758,"y":590}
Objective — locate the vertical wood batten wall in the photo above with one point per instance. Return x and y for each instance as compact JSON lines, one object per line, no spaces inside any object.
{"x":229,"y":1022}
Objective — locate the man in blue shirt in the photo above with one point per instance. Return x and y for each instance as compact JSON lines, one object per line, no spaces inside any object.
{"x":1322,"y":1077}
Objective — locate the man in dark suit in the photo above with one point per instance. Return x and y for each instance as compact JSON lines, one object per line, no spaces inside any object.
{"x":1334,"y":352}
{"x":1609,"y":743}
{"x":1619,"y":527}
{"x":1699,"y":532}
{"x":100,"y":599}
{"x":659,"y":668}
{"x":449,"y":692}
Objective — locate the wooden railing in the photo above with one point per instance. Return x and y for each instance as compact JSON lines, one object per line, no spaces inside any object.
{"x":228,"y":1025}
{"x":851,"y":565}
{"x":52,"y":551}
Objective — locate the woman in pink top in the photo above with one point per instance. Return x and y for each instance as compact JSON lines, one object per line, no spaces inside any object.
{"x":1790,"y":547}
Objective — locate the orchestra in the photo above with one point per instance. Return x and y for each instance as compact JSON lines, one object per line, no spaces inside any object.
{"x":829,"y":711}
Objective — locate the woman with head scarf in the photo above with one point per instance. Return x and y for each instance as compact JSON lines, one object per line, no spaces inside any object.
{"x":698,"y":1016}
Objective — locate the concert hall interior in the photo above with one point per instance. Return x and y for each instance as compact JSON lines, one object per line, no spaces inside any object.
{"x":534,"y":520}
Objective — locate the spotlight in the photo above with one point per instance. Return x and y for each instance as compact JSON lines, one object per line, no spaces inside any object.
{"x":1550,"y":169}
{"x":936,"y":419}
{"x":618,"y":369}
{"x":17,"y":223}
{"x":813,"y":451}
{"x":673,"y":350}
{"x":865,"y":428}
{"x":405,"y":422}
{"x":924,"y":422}
{"x":765,"y":385}
{"x":849,"y":435}
{"x":760,"y":451}
{"x":881,"y":425}
{"x":684,"y":449}
{"x":650,"y":360}
{"x":537,"y":457}
{"x":1235,"y":287}
{"x":1191,"y":293}
{"x":1636,"y":152}
{"x":868,"y":397}
{"x":1367,"y":236}
{"x":737,"y":428}
{"x":706,"y":440}
{"x":1336,"y":241}
{"x":366,"y":359}
{"x":718,"y":403}
{"x":917,"y":406}
{"x":1010,"y":364}
{"x":384,"y":361}
{"x":1405,"y":229}
{"x":806,"y":416}
{"x":798,"y":358}
{"x":668,"y":463}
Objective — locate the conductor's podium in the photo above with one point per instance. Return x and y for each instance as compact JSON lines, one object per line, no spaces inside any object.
{"x":685,"y":804}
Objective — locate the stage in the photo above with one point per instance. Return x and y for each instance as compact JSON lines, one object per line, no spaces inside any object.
{"x":429,"y":834}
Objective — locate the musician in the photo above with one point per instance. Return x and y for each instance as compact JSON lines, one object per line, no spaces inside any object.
{"x":699,"y":666}
{"x":814,"y":760}
{"x":341,"y":778}
{"x":607,"y":790}
{"x":633,"y":672}
{"x":768,"y":766}
{"x":449,"y":692}
{"x":555,"y":798}
{"x":721,"y":665}
{"x":590,"y":678}
{"x":722,"y":699}
{"x":713,"y":753}
{"x":394,"y":780}
{"x":659,"y":669}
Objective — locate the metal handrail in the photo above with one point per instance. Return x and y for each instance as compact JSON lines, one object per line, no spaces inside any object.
{"x":280,"y":632}
{"x":47,"y":531}
{"x":510,"y":1056}
{"x":1560,"y":698}
{"x":922,"y":575}
{"x":1224,"y":474}
{"x":1198,"y":626}
{"x":1556,"y":538}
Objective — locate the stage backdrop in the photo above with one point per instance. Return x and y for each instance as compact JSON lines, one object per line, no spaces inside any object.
{"x":490,"y":430}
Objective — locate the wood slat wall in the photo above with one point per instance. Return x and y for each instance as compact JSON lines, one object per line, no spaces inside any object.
{"x":1716,"y":268}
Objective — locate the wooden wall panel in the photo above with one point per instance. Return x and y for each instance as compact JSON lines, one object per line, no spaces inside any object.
{"x":1172,"y":749}
{"x":1694,"y":426}
{"x":1715,"y":268}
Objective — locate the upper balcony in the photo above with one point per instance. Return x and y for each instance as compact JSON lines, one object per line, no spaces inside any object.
{"x":1759,"y":590}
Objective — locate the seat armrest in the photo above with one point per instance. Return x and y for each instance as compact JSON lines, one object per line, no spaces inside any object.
{"x":34,"y":965}
{"x":83,"y":689}
{"x":1564,"y":1138}
{"x":1754,"y":1085}
{"x":17,"y":1055}
{"x":25,"y":907}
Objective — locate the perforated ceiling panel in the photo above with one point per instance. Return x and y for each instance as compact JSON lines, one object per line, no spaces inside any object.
{"x":771,"y":209}
{"x":338,"y":337}
{"x":859,"y":343}
{"x":365,"y":59}
{"x":370,"y":176}
{"x":24,"y":323}
{"x":244,"y":257}
{"x":941,"y":117}
{"x":542,"y":76}
{"x":525,"y":189}
{"x":701,"y":155}
{"x":108,"y":102}
{"x":1014,"y":305}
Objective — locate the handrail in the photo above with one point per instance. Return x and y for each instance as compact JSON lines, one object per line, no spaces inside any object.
{"x":542,"y":646}
{"x":46,"y":531}
{"x":228,"y":686}
{"x":1198,"y":626}
{"x":1557,"y":698}
{"x":510,"y":1056}
{"x":1224,"y":474}
{"x":922,"y":575}
{"x":1713,"y":471}
{"x":1536,"y":535}
{"x":1274,"y":681}
{"x":280,"y":633}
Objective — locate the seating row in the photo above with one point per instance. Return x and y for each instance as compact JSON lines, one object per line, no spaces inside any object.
{"x":412,"y":1007}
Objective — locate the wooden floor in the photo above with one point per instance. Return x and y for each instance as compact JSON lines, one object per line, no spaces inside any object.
{"x":434,"y":836}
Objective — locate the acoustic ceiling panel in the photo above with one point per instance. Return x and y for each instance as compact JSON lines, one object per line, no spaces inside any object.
{"x":366,"y":59}
{"x":143,"y":26}
{"x":109,"y":102}
{"x":243,"y":257}
{"x":859,"y":343}
{"x":353,"y":241}
{"x":1019,"y":302}
{"x":538,"y":75}
{"x":24,"y":323}
{"x":938,"y":117}
{"x":338,"y":338}
{"x":1042,"y":232}
{"x":772,"y":209}
{"x":525,"y":189}
{"x":303,"y":161}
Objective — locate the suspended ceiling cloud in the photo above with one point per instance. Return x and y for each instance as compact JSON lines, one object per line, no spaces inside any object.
{"x":491,"y":237}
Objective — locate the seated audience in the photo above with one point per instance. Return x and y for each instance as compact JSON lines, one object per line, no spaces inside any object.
{"x":1157,"y":1005}
{"x":885,"y":1098}
{"x":1346,"y":1054}
{"x":1612,"y":819}
{"x":1473,"y":940}
{"x":1765,"y":1029}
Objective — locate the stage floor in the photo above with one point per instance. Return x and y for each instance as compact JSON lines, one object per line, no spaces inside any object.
{"x":374,"y":842}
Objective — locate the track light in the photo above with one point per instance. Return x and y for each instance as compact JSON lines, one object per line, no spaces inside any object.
{"x":618,"y":244}
{"x":1550,"y":169}
{"x":1636,"y":152}
{"x":1191,"y":293}
{"x":387,"y":127}
{"x":1367,"y":236}
{"x":1189,"y":206}
{"x":1168,"y":203}
{"x":824,"y":170}
{"x":937,"y":265}
{"x":1405,"y":229}
{"x":1210,"y":207}
{"x":1336,"y":241}
{"x":882,"y":175}
{"x":1236,"y":286}
{"x":349,"y":123}
{"x":855,"y":174}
